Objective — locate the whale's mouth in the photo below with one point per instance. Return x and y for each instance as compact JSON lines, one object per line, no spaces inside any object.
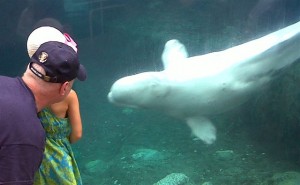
{"x":110,"y":98}
{"x":113,"y":100}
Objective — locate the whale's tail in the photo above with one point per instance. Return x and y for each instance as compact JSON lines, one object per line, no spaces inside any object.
{"x":270,"y":53}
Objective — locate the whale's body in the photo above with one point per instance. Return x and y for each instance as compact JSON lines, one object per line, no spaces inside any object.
{"x":194,"y":88}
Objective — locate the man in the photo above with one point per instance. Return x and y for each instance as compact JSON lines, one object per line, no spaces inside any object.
{"x":48,"y":79}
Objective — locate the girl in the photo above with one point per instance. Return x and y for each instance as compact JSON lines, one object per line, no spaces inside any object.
{"x":62,"y":124}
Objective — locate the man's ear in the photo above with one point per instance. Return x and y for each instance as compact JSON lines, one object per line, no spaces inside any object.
{"x":64,"y":88}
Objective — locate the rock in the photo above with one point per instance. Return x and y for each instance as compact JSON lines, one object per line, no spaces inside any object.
{"x":207,"y":183}
{"x":224,"y":155}
{"x":96,"y":166}
{"x":147,"y":155}
{"x":286,"y":178}
{"x":174,"y":179}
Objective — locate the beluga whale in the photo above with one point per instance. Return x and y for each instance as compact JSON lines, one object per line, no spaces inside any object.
{"x":196,"y":88}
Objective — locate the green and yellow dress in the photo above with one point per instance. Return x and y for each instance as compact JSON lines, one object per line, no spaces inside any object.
{"x":58,"y":166}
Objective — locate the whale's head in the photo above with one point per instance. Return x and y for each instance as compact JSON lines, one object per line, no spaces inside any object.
{"x":138,"y":91}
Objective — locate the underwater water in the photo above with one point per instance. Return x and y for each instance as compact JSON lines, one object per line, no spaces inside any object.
{"x":257,"y":142}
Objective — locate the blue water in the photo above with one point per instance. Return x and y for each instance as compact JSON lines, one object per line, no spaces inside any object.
{"x":256,"y":143}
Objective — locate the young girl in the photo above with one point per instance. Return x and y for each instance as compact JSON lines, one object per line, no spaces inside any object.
{"x":62,"y":124}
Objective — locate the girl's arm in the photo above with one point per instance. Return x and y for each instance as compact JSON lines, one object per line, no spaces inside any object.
{"x":74,"y":117}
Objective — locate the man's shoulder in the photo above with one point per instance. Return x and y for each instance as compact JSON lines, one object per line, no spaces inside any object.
{"x":13,"y":89}
{"x":12,"y":85}
{"x":5,"y":78}
{"x":8,"y":80}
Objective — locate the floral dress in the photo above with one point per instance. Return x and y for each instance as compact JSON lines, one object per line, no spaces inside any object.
{"x":58,"y":166}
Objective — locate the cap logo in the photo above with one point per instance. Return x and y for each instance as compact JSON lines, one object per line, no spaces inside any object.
{"x":43,"y":57}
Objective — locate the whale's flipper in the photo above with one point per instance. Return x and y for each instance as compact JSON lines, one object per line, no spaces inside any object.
{"x":203,"y":129}
{"x":173,"y":52}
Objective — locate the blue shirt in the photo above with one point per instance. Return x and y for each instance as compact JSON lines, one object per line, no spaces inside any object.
{"x":22,"y":137}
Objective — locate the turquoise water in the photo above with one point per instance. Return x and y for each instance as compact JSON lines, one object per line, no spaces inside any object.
{"x":257,"y":143}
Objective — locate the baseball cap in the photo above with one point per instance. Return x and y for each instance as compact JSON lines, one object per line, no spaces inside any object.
{"x":60,"y":62}
{"x":41,"y":35}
